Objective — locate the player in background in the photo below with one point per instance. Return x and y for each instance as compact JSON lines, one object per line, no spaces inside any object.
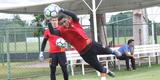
{"x":57,"y":53}
{"x":127,"y":52}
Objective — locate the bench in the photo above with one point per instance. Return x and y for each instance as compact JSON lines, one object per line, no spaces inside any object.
{"x":73,"y":56}
{"x":144,"y":51}
{"x":140,"y":51}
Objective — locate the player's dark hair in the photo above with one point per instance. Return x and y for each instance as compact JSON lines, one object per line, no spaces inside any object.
{"x":60,"y":17}
{"x":130,"y":40}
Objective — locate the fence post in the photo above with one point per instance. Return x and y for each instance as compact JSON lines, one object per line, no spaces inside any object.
{"x":26,"y":45}
{"x":1,"y":56}
{"x":8,"y":55}
{"x":155,"y":38}
{"x":1,"y":52}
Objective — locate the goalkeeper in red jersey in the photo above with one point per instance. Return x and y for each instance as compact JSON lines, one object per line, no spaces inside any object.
{"x":71,"y":30}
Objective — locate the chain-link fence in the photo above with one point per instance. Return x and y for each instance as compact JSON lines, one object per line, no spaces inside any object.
{"x":19,"y":49}
{"x":121,"y":34}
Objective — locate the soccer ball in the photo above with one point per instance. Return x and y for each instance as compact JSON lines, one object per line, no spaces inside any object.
{"x":61,"y":42}
{"x":51,"y":11}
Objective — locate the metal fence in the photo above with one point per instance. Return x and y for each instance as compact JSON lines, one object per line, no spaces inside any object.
{"x":19,"y":49}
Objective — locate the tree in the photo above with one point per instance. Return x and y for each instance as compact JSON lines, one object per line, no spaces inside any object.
{"x":17,"y":20}
{"x":39,"y":28}
{"x":122,"y":21}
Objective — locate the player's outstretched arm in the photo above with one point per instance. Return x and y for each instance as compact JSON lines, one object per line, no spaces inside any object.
{"x":53,"y":30}
{"x":71,"y":14}
{"x":44,"y":44}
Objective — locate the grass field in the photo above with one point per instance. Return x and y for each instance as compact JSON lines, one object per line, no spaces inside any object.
{"x":142,"y":73}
